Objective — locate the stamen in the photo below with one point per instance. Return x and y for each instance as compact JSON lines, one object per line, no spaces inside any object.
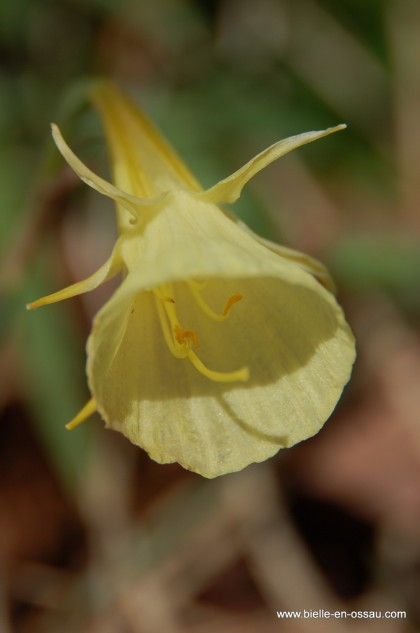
{"x":181,"y":335}
{"x":229,"y":303}
{"x":162,"y":296}
{"x":167,"y":331}
{"x":219,"y":376}
{"x":180,"y":341}
{"x":216,"y":316}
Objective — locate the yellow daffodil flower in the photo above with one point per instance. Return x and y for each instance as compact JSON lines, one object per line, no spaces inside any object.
{"x":219,"y":347}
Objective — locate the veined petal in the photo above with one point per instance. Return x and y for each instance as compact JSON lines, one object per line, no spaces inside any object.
{"x":193,"y":239}
{"x":128,"y":201}
{"x":287,"y":330}
{"x":142,"y":161}
{"x":293,"y":338}
{"x":229,"y":189}
{"x":309,"y":264}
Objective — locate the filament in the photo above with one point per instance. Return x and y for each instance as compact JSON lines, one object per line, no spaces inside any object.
{"x":181,"y":341}
{"x":216,"y":316}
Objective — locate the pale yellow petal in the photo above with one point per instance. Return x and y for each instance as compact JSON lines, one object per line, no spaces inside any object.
{"x":307,"y":263}
{"x":287,"y":330}
{"x":85,"y":413}
{"x":142,"y":161}
{"x":293,"y":338}
{"x":229,"y":189}
{"x":130,"y":202}
{"x":193,"y":239}
{"x":107,"y":271}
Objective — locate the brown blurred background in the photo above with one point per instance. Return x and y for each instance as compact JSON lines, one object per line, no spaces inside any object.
{"x":94,"y":536}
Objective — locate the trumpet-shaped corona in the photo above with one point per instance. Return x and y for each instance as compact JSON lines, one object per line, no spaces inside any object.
{"x":219,"y":347}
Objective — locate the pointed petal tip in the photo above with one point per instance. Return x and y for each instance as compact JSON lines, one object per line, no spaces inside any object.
{"x":34,"y":305}
{"x":321,"y":133}
{"x":132,"y":203}
{"x":229,"y":189}
{"x":85,"y":413}
{"x":337,"y":128}
{"x":55,"y":130}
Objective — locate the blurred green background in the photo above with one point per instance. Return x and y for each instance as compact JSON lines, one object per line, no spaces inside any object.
{"x":94,"y":537}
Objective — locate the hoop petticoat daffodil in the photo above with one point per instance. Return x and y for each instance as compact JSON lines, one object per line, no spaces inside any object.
{"x":218,"y":348}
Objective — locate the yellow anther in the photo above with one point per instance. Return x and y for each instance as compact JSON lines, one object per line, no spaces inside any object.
{"x":229,"y":303}
{"x":181,"y":335}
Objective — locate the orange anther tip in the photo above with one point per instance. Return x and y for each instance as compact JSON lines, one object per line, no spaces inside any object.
{"x":181,"y":335}
{"x":229,"y":303}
